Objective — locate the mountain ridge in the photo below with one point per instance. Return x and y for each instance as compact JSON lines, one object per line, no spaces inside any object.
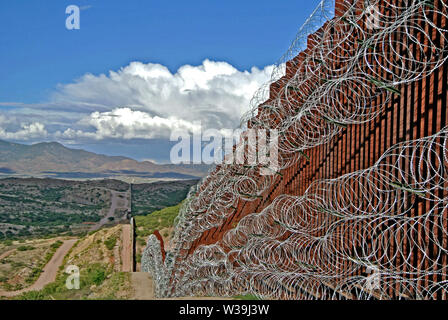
{"x":53,"y":158}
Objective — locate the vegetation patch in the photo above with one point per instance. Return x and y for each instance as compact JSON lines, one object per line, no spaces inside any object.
{"x":150,"y":197}
{"x":25,"y":261}
{"x":45,"y":207}
{"x":25,"y":248}
{"x":110,"y":242}
{"x":157,"y":220}
{"x":98,"y":276}
{"x":161,"y":220}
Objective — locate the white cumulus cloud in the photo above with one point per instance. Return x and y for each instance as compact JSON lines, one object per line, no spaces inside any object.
{"x":27,"y":131}
{"x":124,"y":123}
{"x":140,"y":100}
{"x":147,"y":100}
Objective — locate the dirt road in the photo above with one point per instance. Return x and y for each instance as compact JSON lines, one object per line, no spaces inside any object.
{"x":115,"y":203}
{"x":49,"y":272}
{"x":143,"y":286}
{"x":110,"y":213}
{"x":143,"y":289}
{"x":126,"y":252}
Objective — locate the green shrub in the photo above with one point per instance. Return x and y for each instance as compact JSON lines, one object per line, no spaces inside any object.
{"x":96,"y":274}
{"x":157,"y":220}
{"x":35,"y":273}
{"x":110,"y":243}
{"x":25,"y":248}
{"x":17,"y":264}
{"x":33,"y":295}
{"x":57,"y":244}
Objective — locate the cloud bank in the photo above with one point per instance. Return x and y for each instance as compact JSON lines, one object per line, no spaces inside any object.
{"x":148,"y":101}
{"x":136,"y":107}
{"x":25,"y":131}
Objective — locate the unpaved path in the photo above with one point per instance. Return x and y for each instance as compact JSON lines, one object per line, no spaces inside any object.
{"x":143,"y":289}
{"x":143,"y":286}
{"x":49,"y":272}
{"x":126,"y":252}
{"x":114,"y":204}
{"x":110,"y":213}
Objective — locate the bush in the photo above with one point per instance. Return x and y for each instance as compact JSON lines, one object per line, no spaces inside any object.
{"x":33,"y":295}
{"x":35,"y":273}
{"x":57,"y":244}
{"x":25,"y":248}
{"x":110,"y":243}
{"x":96,"y":274}
{"x":157,"y":220}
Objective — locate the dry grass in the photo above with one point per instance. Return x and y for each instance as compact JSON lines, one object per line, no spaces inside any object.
{"x":99,"y":267}
{"x":19,"y":269}
{"x":93,"y":251}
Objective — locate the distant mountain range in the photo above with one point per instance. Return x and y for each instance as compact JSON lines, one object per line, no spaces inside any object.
{"x":52,"y":159}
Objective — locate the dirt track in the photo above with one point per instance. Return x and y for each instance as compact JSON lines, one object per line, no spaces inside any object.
{"x":126,"y":252}
{"x":143,"y":286}
{"x":114,"y":204}
{"x":110,"y":213}
{"x":49,"y":272}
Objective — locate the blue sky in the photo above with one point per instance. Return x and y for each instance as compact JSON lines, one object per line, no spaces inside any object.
{"x":45,"y":67}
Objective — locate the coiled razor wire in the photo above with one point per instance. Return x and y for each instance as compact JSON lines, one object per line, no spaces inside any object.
{"x":361,"y":243}
{"x":152,"y":263}
{"x":341,"y":72}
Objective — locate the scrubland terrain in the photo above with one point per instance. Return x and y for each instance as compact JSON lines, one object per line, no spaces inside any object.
{"x":150,"y":197}
{"x":48,"y":207}
{"x":98,"y":257}
{"x":21,"y":263}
